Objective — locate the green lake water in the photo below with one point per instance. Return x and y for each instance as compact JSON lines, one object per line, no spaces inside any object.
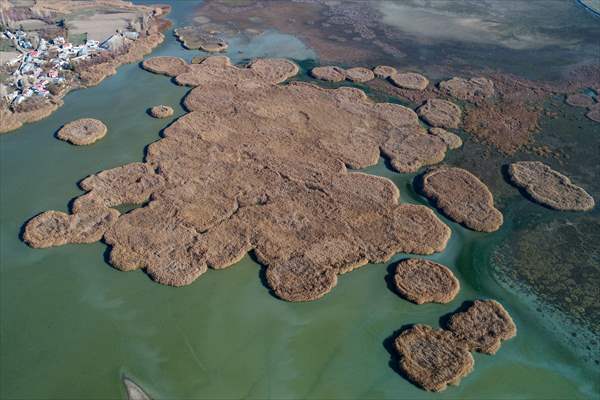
{"x":72,"y":326}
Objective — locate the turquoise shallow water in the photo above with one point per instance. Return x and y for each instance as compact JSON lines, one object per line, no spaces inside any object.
{"x":71,"y":325}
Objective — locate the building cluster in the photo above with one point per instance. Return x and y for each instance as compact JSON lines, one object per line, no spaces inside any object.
{"x":19,"y":38}
{"x":46,"y":63}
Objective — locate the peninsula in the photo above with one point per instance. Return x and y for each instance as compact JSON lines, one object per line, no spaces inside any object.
{"x":55,"y":47}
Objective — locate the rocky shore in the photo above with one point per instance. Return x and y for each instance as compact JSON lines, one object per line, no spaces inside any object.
{"x":433,"y":359}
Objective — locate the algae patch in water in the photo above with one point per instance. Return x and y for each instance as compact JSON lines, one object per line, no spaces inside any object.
{"x":553,"y":258}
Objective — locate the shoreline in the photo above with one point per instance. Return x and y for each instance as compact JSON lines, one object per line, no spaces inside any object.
{"x":595,"y":12}
{"x":298,"y":354}
{"x":93,"y":74}
{"x":562,"y":324}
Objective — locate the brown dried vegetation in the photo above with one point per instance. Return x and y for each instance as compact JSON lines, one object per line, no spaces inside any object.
{"x":359,"y":74}
{"x":82,"y":132}
{"x":483,"y":326}
{"x":256,"y":166}
{"x":424,"y":281}
{"x":409,"y":80}
{"x":195,"y":37}
{"x":452,"y":140}
{"x":432,"y":359}
{"x":549,"y":187}
{"x":440,"y":113}
{"x":384,"y":71}
{"x":161,"y":111}
{"x":462,"y":197}
{"x":472,"y":90}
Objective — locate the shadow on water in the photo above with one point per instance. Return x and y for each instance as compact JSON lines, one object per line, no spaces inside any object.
{"x":522,"y":191}
{"x":55,"y":134}
{"x":106,"y":254}
{"x":161,"y":135}
{"x":262,"y":274}
{"x":389,"y":276}
{"x":418,"y":183}
{"x":22,"y":227}
{"x":388,"y":342}
{"x":418,"y":186}
{"x":394,"y":362}
{"x":445,"y":319}
{"x":71,"y":202}
{"x":387,"y":163}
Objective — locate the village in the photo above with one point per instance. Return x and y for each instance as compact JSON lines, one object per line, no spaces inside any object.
{"x":44,"y":65}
